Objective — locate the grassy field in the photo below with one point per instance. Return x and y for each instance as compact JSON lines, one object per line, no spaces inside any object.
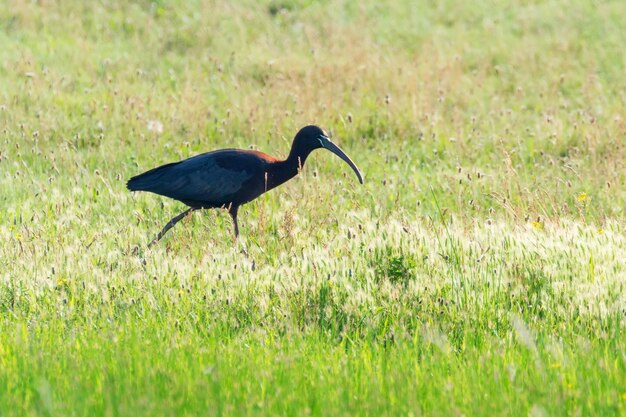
{"x":480,"y":270}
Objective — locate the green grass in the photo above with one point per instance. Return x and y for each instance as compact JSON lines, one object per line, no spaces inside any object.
{"x":478,"y":271}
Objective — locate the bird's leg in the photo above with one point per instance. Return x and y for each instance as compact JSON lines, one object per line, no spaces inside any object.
{"x":171,"y":224}
{"x":232,"y":210}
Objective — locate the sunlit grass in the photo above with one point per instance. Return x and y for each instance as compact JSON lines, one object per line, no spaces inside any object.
{"x":478,"y":271}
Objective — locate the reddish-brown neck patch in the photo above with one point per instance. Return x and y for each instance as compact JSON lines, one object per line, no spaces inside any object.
{"x":265,"y":156}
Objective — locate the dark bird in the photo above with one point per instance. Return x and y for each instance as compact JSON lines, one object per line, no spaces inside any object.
{"x":228,"y":178}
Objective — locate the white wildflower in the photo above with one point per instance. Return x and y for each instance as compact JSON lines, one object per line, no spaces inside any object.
{"x":155,"y":126}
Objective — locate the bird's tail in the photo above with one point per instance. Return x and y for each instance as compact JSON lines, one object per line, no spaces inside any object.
{"x":148,"y":180}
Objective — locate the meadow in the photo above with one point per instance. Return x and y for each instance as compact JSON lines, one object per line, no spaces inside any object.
{"x":480,"y":269}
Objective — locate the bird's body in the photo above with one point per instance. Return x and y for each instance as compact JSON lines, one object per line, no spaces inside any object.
{"x":212,"y":179}
{"x":228,"y":178}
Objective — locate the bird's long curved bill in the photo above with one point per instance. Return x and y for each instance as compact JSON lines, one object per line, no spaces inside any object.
{"x":341,"y":154}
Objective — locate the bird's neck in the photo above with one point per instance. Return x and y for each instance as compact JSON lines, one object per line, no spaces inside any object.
{"x":283,"y":171}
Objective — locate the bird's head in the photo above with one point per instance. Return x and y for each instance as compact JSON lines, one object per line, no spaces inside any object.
{"x":313,"y":137}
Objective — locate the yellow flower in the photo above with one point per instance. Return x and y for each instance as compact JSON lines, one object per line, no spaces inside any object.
{"x":18,"y":236}
{"x":538,"y":225}
{"x":583,"y":197}
{"x":600,"y":230}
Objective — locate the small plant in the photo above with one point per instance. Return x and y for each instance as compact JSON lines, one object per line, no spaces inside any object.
{"x":396,"y":268}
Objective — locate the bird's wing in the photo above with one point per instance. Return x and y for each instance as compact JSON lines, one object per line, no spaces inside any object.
{"x":213,"y":177}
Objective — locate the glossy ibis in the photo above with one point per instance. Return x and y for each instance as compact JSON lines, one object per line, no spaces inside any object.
{"x":228,"y":178}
